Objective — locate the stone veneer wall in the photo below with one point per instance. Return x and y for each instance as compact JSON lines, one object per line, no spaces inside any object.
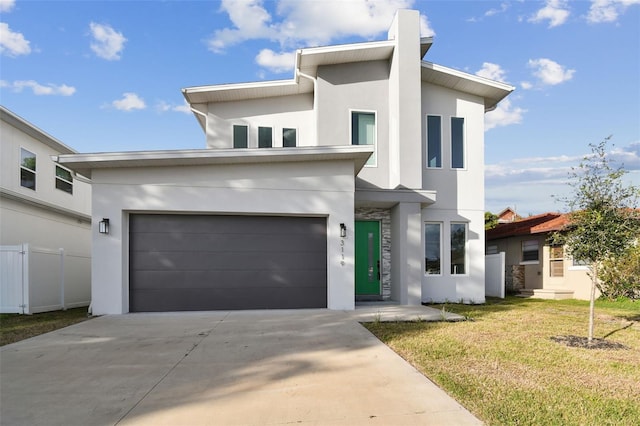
{"x":384,"y":217}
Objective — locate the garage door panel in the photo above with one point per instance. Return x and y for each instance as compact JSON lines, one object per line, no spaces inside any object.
{"x":146,"y":280}
{"x":184,"y":262}
{"x":208,"y":299}
{"x":155,"y":241}
{"x":255,"y":261}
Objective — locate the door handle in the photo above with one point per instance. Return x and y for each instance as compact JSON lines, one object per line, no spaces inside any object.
{"x":378,"y":270}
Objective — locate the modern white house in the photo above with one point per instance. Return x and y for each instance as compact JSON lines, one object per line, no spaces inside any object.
{"x":362,"y":178}
{"x":45,"y":223}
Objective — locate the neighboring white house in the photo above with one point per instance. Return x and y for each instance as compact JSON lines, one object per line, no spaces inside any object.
{"x":45,"y":223}
{"x":360,"y":178}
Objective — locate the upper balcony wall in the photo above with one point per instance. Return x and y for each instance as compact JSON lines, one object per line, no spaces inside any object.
{"x":281,"y":112}
{"x":457,"y":188}
{"x":360,"y":86}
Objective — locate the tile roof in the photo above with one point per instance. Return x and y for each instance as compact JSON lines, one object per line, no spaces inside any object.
{"x":545,"y":222}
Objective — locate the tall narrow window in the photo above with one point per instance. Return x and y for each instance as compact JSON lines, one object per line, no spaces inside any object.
{"x":289,"y":138}
{"x":432,"y":248}
{"x":64,"y":180}
{"x":458,"y":248}
{"x":240,"y":136}
{"x":457,"y":143}
{"x":530,"y":251}
{"x":363,"y":131}
{"x":265,"y":137}
{"x":434,"y":141}
{"x":556,"y":261}
{"x":27,"y":169}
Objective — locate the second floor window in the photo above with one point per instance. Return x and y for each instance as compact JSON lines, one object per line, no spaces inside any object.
{"x":434,"y":141}
{"x":289,"y":138}
{"x":27,"y":169}
{"x":265,"y":137}
{"x":64,"y":180}
{"x":457,"y":143}
{"x":240,"y":136}
{"x":363,"y":131}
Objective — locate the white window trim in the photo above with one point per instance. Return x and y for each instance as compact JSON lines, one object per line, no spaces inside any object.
{"x":466,"y":249}
{"x":426,"y":141}
{"x":464,"y":143}
{"x":35,"y":172}
{"x":56,"y":177}
{"x":424,"y":266}
{"x":375,"y":135}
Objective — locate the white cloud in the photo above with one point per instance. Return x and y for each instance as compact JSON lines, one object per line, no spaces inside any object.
{"x":526,"y":85}
{"x":7,"y":5}
{"x":276,"y":62}
{"x":108,"y":43}
{"x":39,"y":89}
{"x":550,"y":73}
{"x":608,"y":10}
{"x":555,"y":11}
{"x":129,"y":102}
{"x":307,"y":22}
{"x":12,"y":43}
{"x":163,"y":106}
{"x":492,"y":72}
{"x":505,"y":114}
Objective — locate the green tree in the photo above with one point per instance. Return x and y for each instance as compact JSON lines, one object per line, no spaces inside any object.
{"x":603,"y":221}
{"x":490,"y":220}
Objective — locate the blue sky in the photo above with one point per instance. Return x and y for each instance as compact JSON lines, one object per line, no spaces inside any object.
{"x":106,"y":76}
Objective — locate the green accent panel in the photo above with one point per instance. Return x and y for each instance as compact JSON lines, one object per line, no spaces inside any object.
{"x":367,"y":258}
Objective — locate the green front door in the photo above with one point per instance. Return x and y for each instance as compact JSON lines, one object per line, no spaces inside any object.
{"x":367,"y":258}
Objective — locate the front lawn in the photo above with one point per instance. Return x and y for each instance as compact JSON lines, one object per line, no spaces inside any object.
{"x":503,"y":365}
{"x":16,"y":327}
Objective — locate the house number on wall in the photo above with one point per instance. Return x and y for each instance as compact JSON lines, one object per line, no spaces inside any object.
{"x":342,"y":251}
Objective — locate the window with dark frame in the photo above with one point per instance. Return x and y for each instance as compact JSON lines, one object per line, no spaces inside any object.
{"x":434,"y":141}
{"x":265,"y":137}
{"x":457,"y":143}
{"x":27,"y":169}
{"x":289,"y":138}
{"x":240,"y":136}
{"x":530,"y":251}
{"x":433,"y":248}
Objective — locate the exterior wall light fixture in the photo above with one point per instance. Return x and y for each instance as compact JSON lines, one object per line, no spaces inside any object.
{"x":103,"y":226}
{"x":343,"y":230}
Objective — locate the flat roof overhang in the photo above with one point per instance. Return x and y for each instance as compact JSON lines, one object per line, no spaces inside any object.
{"x":387,"y":198}
{"x":84,"y":164}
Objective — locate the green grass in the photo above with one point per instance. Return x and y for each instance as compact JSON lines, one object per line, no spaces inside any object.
{"x":15,"y":327}
{"x":502,"y":365}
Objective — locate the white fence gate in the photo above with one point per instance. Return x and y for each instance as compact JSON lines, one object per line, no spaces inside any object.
{"x":494,"y":275}
{"x":39,"y":280}
{"x":14,"y":279}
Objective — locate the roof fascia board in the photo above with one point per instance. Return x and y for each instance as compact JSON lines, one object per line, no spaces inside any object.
{"x":466,"y":76}
{"x":85,"y":163}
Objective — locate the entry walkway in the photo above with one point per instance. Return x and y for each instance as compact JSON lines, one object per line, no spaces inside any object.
{"x":307,"y":367}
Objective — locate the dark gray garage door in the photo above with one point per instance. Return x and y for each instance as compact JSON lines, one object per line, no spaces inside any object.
{"x":188,"y":262}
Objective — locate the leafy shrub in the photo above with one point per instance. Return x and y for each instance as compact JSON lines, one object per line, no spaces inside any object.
{"x":620,"y":277}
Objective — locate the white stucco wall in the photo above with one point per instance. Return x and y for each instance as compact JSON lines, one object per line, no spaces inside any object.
{"x":322,"y":188}
{"x":279,"y":112}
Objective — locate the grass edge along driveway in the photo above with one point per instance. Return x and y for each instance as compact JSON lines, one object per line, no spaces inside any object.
{"x":16,"y":327}
{"x":503,"y":365}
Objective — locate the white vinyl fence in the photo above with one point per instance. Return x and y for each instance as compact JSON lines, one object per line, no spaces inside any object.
{"x":494,"y":275}
{"x":36,"y":280}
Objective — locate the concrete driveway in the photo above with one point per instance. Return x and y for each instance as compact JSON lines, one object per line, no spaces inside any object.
{"x":315,"y":367}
